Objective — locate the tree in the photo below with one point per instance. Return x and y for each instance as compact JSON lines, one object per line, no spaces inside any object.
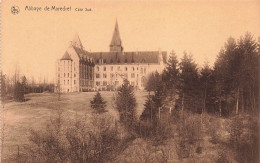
{"x":236,"y":71}
{"x":3,"y":88}
{"x":171,"y":74}
{"x":154,"y":81}
{"x":3,"y":111}
{"x":98,"y":104}
{"x":189,"y":84}
{"x":19,"y":92}
{"x":126,"y":104}
{"x":207,"y":83}
{"x":171,"y":80}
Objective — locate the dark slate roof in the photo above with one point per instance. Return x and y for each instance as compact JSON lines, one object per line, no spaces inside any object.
{"x":66,"y":56}
{"x":123,"y":57}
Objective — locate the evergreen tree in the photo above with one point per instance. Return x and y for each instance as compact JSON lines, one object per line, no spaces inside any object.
{"x":98,"y":104}
{"x":126,"y":104}
{"x":150,"y":113}
{"x":171,"y":74}
{"x":189,"y":84}
{"x":154,"y":81}
{"x":171,"y":80}
{"x":236,"y":71}
{"x":207,"y":89}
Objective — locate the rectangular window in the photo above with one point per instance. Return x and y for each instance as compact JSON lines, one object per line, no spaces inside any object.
{"x":145,"y":70}
{"x":105,"y":68}
{"x":125,"y":68}
{"x":64,"y":74}
{"x":97,"y":76}
{"x":132,"y":75}
{"x":68,"y":82}
{"x":97,"y":68}
{"x":111,"y":75}
{"x":104,"y":75}
{"x":133,"y":83}
{"x":111,"y":68}
{"x":104,"y":83}
{"x":64,"y":82}
{"x":68,"y":74}
{"x":97,"y":83}
{"x":74,"y":81}
{"x":74,"y":75}
{"x":133,"y":68}
{"x":58,"y":75}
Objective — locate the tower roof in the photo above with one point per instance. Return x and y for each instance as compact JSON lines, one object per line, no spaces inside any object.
{"x":66,"y":56}
{"x":76,"y":41}
{"x":116,"y":40}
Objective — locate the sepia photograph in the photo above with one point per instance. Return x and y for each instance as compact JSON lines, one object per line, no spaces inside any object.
{"x":130,"y":81}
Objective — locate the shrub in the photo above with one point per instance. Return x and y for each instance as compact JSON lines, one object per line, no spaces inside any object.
{"x":77,"y":140}
{"x":189,"y":135}
{"x":244,"y":138}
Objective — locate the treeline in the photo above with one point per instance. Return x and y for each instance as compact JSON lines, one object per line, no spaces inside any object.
{"x":229,"y":87}
{"x":16,"y":89}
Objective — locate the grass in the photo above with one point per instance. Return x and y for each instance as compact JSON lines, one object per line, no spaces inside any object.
{"x":34,"y":113}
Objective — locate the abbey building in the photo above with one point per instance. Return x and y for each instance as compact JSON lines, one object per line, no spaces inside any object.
{"x":79,"y":70}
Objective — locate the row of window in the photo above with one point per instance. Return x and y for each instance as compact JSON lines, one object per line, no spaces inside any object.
{"x":118,"y":68}
{"x":68,"y":82}
{"x":98,"y":83}
{"x":67,"y":66}
{"x":65,"y":75}
{"x":112,"y":75}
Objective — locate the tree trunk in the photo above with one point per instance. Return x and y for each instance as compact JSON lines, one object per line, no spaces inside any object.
{"x":242,"y":101}
{"x":182,"y":106}
{"x":237,"y":101}
{"x":219,"y":104}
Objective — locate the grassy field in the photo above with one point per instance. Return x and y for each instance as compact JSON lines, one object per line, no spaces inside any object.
{"x":34,"y":113}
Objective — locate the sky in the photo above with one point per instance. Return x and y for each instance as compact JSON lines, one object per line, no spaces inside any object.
{"x":33,"y":41}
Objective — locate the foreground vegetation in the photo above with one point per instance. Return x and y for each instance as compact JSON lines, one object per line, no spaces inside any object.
{"x":189,"y":115}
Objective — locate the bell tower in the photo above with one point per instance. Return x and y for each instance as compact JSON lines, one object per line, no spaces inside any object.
{"x":116,"y":43}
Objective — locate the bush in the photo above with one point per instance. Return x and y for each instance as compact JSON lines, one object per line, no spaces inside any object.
{"x":189,"y":135}
{"x":244,"y":138}
{"x":77,"y":140}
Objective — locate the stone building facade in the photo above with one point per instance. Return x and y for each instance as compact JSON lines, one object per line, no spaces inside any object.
{"x":79,"y":70}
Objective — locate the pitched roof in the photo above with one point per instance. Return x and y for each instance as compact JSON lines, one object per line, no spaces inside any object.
{"x":76,"y":41}
{"x":116,"y":40}
{"x":124,"y":57}
{"x":66,"y":56}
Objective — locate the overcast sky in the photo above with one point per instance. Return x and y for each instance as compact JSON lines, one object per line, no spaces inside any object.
{"x":35,"y":40}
